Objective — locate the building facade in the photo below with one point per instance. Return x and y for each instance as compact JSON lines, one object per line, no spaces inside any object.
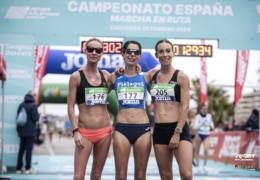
{"x":246,"y":104}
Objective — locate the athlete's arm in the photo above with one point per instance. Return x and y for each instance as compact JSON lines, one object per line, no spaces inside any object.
{"x":197,"y":124}
{"x":73,"y":83}
{"x":106,"y":75}
{"x":211,"y":123}
{"x":110,"y":81}
{"x":184,"y":83}
{"x":151,"y":73}
{"x":71,"y":100}
{"x":148,"y":81}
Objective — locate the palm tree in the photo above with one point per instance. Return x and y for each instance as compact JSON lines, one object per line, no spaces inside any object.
{"x":218,"y":104}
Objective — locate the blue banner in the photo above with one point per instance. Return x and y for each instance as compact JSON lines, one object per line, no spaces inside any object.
{"x":18,"y":51}
{"x":62,"y":61}
{"x":236,"y":24}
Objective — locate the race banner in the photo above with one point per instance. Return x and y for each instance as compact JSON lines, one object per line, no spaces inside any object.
{"x":18,"y":52}
{"x":238,"y":148}
{"x":40,"y":61}
{"x":241,"y":69}
{"x":203,"y":79}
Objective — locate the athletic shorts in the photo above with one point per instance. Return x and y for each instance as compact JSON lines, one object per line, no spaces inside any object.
{"x":163,"y":133}
{"x":95,"y":135}
{"x":132,"y":131}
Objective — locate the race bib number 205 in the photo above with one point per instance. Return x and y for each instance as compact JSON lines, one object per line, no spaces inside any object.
{"x":162,"y":92}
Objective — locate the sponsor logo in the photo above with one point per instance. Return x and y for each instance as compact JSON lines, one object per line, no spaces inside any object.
{"x":245,"y":157}
{"x":18,"y":73}
{"x":91,"y":91}
{"x":12,"y":99}
{"x":11,"y":148}
{"x":18,"y":50}
{"x":147,"y":128}
{"x":126,"y":102}
{"x":51,"y":92}
{"x":250,"y":168}
{"x":27,"y":12}
{"x":8,"y":126}
{"x":123,"y":90}
{"x":258,"y":9}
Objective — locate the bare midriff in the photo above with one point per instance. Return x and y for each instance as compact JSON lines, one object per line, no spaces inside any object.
{"x":132,"y":116}
{"x":93,"y":117}
{"x":166,"y":112}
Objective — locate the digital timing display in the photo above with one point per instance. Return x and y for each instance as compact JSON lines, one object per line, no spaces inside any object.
{"x":109,"y":47}
{"x":193,"y":50}
{"x":112,"y":47}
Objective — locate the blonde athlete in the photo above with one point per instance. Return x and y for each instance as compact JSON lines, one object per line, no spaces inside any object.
{"x":88,"y":88}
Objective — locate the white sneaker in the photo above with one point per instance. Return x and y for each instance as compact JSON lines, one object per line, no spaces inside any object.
{"x":198,"y":169}
{"x":19,"y":172}
{"x":30,"y":171}
{"x":205,"y":169}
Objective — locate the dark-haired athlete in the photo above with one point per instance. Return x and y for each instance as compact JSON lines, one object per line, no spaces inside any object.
{"x":171,"y":97}
{"x":132,"y":124}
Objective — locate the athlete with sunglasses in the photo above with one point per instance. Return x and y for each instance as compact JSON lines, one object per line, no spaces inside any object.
{"x":171,"y":97}
{"x":132,"y":125}
{"x":88,"y":88}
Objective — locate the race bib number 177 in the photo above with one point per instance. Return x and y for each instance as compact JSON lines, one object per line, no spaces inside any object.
{"x":130,"y":95}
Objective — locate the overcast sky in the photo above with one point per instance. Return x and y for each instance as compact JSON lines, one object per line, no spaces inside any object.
{"x":220,"y":69}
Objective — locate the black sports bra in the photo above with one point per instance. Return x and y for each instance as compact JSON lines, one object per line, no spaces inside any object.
{"x":80,"y":95}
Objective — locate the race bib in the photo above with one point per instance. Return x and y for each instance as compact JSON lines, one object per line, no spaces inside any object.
{"x":130,"y":95}
{"x":205,"y":128}
{"x":162,"y":92}
{"x":94,"y":96}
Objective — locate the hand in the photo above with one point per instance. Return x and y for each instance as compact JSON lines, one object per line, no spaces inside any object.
{"x":119,"y":70}
{"x":78,"y":140}
{"x":174,"y":142}
{"x":138,"y":68}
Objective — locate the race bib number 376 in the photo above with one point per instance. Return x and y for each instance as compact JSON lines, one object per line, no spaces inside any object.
{"x":162,"y":92}
{"x":95,"y":96}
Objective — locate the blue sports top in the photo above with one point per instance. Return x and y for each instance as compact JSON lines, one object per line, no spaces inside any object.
{"x":130,"y":91}
{"x":166,"y":92}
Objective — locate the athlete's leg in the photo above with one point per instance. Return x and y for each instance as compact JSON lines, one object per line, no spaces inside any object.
{"x":193,"y":148}
{"x":81,"y":158}
{"x":142,"y":149}
{"x":121,"y":148}
{"x":183,"y":155}
{"x":164,"y":157}
{"x":198,"y":143}
{"x":100,"y":152}
{"x":206,"y":147}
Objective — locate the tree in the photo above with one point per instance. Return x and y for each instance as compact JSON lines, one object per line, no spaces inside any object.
{"x":218,"y":100}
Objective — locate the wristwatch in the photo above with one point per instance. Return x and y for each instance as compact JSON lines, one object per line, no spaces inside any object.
{"x":178,"y":130}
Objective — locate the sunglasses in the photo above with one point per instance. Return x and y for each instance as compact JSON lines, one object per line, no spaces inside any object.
{"x":90,"y":49}
{"x":135,"y":51}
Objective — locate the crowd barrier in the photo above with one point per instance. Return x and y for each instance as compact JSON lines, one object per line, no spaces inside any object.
{"x":236,"y":147}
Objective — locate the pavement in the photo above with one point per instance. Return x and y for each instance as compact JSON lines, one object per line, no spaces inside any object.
{"x":54,"y":160}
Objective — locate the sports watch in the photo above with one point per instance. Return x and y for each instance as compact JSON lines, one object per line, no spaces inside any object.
{"x":178,"y":130}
